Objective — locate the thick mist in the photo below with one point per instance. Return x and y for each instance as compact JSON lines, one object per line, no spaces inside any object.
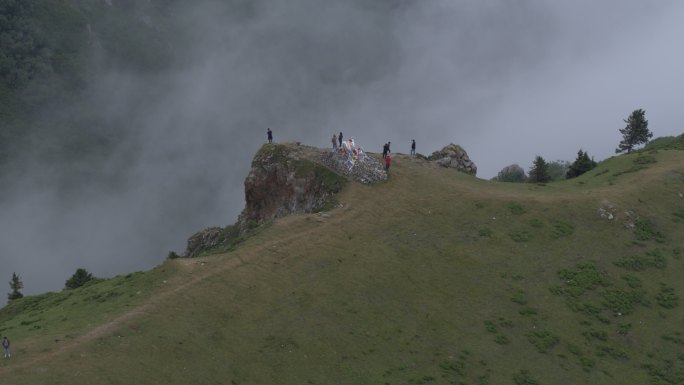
{"x":505,"y":79}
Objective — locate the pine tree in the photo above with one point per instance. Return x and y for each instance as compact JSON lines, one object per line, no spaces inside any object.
{"x":635,"y":133}
{"x":15,"y":285}
{"x":581,"y":165}
{"x":80,"y":278}
{"x":539,"y":173}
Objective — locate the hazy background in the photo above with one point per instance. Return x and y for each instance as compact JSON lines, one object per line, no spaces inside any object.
{"x":505,"y":79}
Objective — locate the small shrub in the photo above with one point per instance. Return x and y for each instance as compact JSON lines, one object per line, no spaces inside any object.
{"x":528,"y":311}
{"x":519,"y":297}
{"x":650,"y":259}
{"x":612,"y":352}
{"x":645,"y":230}
{"x":587,"y":363}
{"x":667,"y":297}
{"x":520,"y":235}
{"x":543,"y":340}
{"x":501,"y":339}
{"x":536,"y":223}
{"x":624,"y":328}
{"x":578,"y":281}
{"x":524,"y":377}
{"x":516,"y":209}
{"x":632,"y":281}
{"x":562,"y":229}
{"x":620,"y":301}
{"x":594,"y":334}
{"x":485,"y":232}
{"x":172,"y":255}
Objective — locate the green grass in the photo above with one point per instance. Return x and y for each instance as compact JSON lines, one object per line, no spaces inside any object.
{"x":432,"y":286}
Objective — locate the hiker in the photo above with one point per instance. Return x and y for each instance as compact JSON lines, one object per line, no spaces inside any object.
{"x":413,"y":147}
{"x":385,"y":150}
{"x":388,"y":160}
{"x":340,"y":138}
{"x":269,"y":133}
{"x":6,"y":347}
{"x":334,"y":142}
{"x":388,"y":147}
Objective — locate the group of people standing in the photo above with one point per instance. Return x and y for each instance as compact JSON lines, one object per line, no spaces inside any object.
{"x":336,"y":141}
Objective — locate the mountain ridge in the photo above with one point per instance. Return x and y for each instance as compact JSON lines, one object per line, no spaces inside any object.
{"x":431,"y":277}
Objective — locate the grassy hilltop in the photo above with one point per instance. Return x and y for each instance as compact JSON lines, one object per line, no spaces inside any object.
{"x":434,"y":277}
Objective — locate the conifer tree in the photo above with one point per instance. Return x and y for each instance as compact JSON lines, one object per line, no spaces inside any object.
{"x":635,"y":133}
{"x":581,"y":165}
{"x":539,"y":173}
{"x":80,"y":278}
{"x":15,"y":285}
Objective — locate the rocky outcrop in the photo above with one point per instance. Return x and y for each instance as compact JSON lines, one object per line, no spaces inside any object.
{"x":285,"y":179}
{"x":454,"y":156}
{"x":201,"y":240}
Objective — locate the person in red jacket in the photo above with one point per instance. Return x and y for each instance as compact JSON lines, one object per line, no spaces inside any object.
{"x":388,"y":161}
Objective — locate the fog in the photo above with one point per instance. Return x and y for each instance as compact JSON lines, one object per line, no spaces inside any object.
{"x":507,"y":80}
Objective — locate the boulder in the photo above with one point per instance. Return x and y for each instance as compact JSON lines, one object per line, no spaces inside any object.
{"x":454,"y":156}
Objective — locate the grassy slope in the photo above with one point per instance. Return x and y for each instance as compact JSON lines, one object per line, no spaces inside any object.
{"x":432,"y":278}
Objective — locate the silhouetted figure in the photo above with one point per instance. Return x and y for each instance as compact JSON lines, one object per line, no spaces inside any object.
{"x":6,"y":347}
{"x":385,"y":150}
{"x":334,"y":143}
{"x":340,"y":138}
{"x":269,"y":134}
{"x":413,"y":147}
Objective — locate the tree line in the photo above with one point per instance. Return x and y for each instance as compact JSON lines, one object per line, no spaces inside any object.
{"x":635,"y":133}
{"x":78,"y":279}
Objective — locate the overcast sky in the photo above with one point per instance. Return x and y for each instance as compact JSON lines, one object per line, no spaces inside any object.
{"x":505,"y":79}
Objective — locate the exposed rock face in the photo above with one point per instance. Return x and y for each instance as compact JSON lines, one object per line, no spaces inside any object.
{"x":285,"y":179}
{"x":202,"y":239}
{"x":454,"y":156}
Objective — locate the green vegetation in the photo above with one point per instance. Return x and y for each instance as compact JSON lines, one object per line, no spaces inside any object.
{"x":581,"y":165}
{"x":80,"y":278}
{"x":15,"y":285}
{"x":666,"y":143}
{"x":636,"y":132}
{"x":539,"y":173}
{"x":511,"y":283}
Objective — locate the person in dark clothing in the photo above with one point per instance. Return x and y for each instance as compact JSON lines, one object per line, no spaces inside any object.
{"x":269,"y":134}
{"x":388,"y":161}
{"x":6,"y":347}
{"x":340,"y":138}
{"x":385,"y":150}
{"x":388,"y":147}
{"x":413,"y":147}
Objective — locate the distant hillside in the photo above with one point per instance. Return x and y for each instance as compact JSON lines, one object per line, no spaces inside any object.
{"x":51,"y":53}
{"x":432,"y":277}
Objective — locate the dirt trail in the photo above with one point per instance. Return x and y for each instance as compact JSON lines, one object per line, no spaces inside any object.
{"x":191,"y":272}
